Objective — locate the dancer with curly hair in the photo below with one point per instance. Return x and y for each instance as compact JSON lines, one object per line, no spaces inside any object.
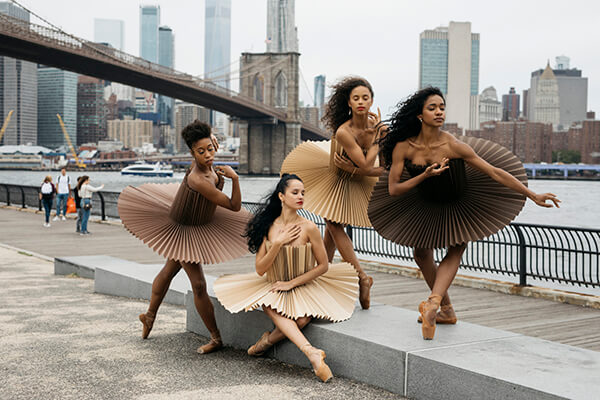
{"x":190,"y":224}
{"x":293,"y":282}
{"x":339,"y":175}
{"x":442,"y":192}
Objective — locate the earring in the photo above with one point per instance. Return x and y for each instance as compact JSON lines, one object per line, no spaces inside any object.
{"x":421,"y":119}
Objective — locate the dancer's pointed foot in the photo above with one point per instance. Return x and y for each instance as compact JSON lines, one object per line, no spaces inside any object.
{"x":147,"y":320}
{"x":446,"y":316}
{"x":428,"y":310}
{"x":216,"y":343}
{"x":317,"y":360}
{"x":260,"y":347}
{"x":364,"y":284}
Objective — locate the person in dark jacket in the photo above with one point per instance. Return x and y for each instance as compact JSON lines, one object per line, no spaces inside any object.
{"x":47,"y":191}
{"x":78,"y":206}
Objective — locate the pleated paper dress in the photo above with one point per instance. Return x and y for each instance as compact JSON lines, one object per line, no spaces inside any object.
{"x":458,"y":206}
{"x":180,"y":224}
{"x":330,"y":296}
{"x":331,"y":192}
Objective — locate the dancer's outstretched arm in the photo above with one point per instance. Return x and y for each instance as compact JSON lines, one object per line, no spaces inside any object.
{"x":465,"y":152}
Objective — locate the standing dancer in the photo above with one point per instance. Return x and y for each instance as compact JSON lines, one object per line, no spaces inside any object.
{"x":442,"y":192}
{"x":339,"y":176}
{"x":190,"y":224}
{"x":287,"y":284}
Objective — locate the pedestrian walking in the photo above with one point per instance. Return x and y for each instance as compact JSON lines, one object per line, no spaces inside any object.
{"x":85,"y":192}
{"x":77,"y":199}
{"x":63,"y":183}
{"x":46,"y":194}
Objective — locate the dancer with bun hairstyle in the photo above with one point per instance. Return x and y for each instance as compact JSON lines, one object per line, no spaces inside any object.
{"x":442,"y":192}
{"x":190,"y":224}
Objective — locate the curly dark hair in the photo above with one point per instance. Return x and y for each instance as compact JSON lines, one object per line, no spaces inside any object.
{"x":259,"y":226}
{"x":404,"y":123}
{"x":195,"y":131}
{"x":337,"y":110}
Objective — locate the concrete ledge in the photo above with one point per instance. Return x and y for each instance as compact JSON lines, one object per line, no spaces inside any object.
{"x":83,"y":266}
{"x":383,"y":346}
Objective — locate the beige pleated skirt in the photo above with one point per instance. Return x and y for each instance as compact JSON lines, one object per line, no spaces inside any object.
{"x":146,"y":213}
{"x":331,"y":296}
{"x":330,"y":193}
{"x":431,"y":220}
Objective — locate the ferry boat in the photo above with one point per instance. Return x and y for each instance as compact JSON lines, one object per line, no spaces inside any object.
{"x":143,"y":169}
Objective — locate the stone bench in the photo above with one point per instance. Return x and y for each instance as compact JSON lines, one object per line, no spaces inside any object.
{"x":383,"y":346}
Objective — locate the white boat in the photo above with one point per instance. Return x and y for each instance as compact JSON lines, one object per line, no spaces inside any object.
{"x":143,"y":169}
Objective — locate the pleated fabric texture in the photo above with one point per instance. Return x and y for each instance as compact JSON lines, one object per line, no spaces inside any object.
{"x":330,"y":192}
{"x":181,"y":224}
{"x":459,"y":206}
{"x":330,"y":296}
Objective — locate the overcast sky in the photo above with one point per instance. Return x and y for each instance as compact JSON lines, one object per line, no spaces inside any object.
{"x":378,"y":39}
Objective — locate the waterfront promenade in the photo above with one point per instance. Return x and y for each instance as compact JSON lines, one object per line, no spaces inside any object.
{"x":563,"y":323}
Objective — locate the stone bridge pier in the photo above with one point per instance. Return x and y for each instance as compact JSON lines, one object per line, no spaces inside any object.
{"x":271,"y":78}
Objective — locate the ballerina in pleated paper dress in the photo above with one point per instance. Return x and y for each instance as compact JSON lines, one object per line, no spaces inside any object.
{"x":293,"y":282}
{"x":190,"y":224}
{"x":339,"y":175}
{"x":442,"y":192}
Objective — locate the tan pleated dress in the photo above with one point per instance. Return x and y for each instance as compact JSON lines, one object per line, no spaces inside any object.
{"x":330,"y":296}
{"x":459,"y":206}
{"x":330,"y":192}
{"x":181,"y":224}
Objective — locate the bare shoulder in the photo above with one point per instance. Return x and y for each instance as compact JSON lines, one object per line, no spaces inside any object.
{"x":458,"y":146}
{"x":343,"y":130}
{"x":309,"y":226}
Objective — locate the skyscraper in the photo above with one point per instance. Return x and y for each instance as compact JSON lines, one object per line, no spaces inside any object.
{"x":546,"y":106}
{"x":320,"y":93}
{"x":449,"y":59}
{"x":57,"y":94}
{"x":217,"y":41}
{"x":510,"y":105}
{"x":282,"y":34}
{"x":149,"y":22}
{"x":111,"y":31}
{"x":166,"y":57}
{"x":18,"y":91}
{"x":572,"y":93}
{"x":91,"y":121}
{"x":490,"y":109}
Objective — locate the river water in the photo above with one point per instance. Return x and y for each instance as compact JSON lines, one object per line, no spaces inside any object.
{"x":579,"y":207}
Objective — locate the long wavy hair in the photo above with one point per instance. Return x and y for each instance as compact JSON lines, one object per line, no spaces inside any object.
{"x":337,"y":110}
{"x":404,"y":123}
{"x":270,"y":209}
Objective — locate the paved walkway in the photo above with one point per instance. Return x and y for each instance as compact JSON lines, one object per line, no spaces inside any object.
{"x":59,"y":340}
{"x":564,"y":323}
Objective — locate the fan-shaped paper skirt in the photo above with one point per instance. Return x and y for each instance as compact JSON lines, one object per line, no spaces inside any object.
{"x":144,"y":211}
{"x":330,"y":296}
{"x":330,"y":193}
{"x":484,"y":208}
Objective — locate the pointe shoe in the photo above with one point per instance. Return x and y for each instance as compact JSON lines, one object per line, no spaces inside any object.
{"x":364,"y":295}
{"x":260,"y":347}
{"x":446,"y":316}
{"x":147,"y":320}
{"x":216,"y":343}
{"x":428,"y":310}
{"x":322,"y":372}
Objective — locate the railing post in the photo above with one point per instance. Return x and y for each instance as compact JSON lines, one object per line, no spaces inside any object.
{"x":7,"y":195}
{"x":102,"y":206}
{"x":522,"y":257}
{"x":349,"y":231}
{"x":22,"y":197}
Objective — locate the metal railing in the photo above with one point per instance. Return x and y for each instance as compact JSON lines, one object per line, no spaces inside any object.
{"x":552,"y":253}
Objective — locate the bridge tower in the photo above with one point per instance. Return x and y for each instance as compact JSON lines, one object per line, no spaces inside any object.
{"x":271,"y":78}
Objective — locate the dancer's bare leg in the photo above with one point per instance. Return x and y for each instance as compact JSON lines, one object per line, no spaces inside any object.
{"x":204,"y":306}
{"x":447,"y":270}
{"x":277,"y":335}
{"x":329,"y":244}
{"x":346,"y":249}
{"x":424,"y":259}
{"x":160,"y":286}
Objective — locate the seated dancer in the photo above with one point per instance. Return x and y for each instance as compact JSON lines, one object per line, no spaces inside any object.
{"x":442,"y":192}
{"x":287,"y":284}
{"x":339,"y":175}
{"x":190,"y":224}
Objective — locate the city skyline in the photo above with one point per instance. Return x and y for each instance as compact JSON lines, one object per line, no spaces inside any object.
{"x":393,"y":41}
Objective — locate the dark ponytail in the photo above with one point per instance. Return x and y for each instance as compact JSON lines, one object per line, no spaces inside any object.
{"x":259,"y":226}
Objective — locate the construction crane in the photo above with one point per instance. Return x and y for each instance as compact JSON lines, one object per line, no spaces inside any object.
{"x":5,"y":124}
{"x":79,"y":163}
